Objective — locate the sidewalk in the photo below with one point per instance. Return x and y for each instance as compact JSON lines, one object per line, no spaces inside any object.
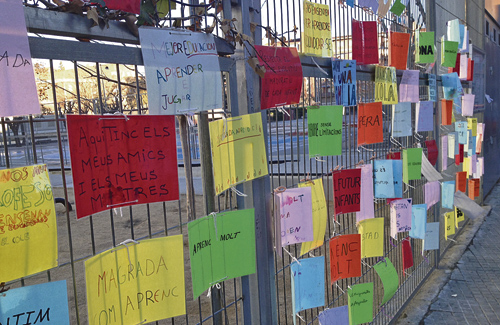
{"x":467,"y":292}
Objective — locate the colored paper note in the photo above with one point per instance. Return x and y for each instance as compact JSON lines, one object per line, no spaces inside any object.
{"x":456,"y":68}
{"x":383,"y":8}
{"x":319,"y":215}
{"x":45,"y":303}
{"x":345,"y":257}
{"x":444,"y":152}
{"x":400,"y":216}
{"x":344,"y":82}
{"x":461,"y":129}
{"x":366,"y":206}
{"x":464,"y":61}
{"x":282,"y":81}
{"x":425,"y":116}
{"x":181,"y":79}
{"x":324,"y":130}
{"x":238,"y":150}
{"x":468,"y":104}
{"x":389,"y":278}
{"x":134,"y":162}
{"x":393,"y":155}
{"x":308,"y":283}
{"x":28,"y":225}
{"x":446,"y":111}
{"x":407,"y":253}
{"x":461,"y":181}
{"x":418,"y":221}
{"x":132,"y":6}
{"x":459,"y":216}
{"x":453,"y":30}
{"x":364,"y":42}
{"x":412,"y":164}
{"x":432,"y":151}
{"x":448,"y":53}
{"x":451,"y":145}
{"x":431,"y":78}
{"x":388,"y":180}
{"x":347,"y":187}
{"x":337,"y":315}
{"x":370,"y":123}
{"x":18,"y":91}
{"x":447,"y":194}
{"x":155,"y":268}
{"x":401,"y":120}
{"x":470,"y":70}
{"x":293,"y":217}
{"x":432,"y":193}
{"x":408,"y":88}
{"x":452,"y":87}
{"x":449,"y":224}
{"x":386,"y":89}
{"x":430,"y":173}
{"x":374,"y":4}
{"x":398,"y":52}
{"x":317,"y":38}
{"x":466,"y":166}
{"x":472,"y":125}
{"x":431,"y":241}
{"x":372,"y":237}
{"x":397,"y":8}
{"x":221,"y":247}
{"x":360,"y":300}
{"x":425,"y":47}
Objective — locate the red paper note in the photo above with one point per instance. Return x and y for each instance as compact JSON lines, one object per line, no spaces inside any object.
{"x":470,"y":192}
{"x":456,"y":68}
{"x":398,"y":52}
{"x":370,"y":129}
{"x":364,"y":42}
{"x":282,"y":86}
{"x":118,"y":161}
{"x":461,"y":181}
{"x":407,"y":253}
{"x":394,"y":155}
{"x":474,"y":184}
{"x":432,"y":151}
{"x":346,"y":187}
{"x":446,"y":109}
{"x":461,"y":152}
{"x":470,"y":70}
{"x":345,"y":257}
{"x":132,"y":6}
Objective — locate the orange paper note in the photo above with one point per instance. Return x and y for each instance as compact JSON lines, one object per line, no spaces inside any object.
{"x":470,"y":192}
{"x":345,"y":257}
{"x":461,"y":181}
{"x":446,"y":109}
{"x":398,"y":52}
{"x":370,"y":128}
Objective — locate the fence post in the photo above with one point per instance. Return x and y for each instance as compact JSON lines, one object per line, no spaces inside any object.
{"x":258,"y":290}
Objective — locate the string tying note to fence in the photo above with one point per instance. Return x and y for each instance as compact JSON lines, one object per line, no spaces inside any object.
{"x":115,"y":210}
{"x":317,"y":65}
{"x":293,"y":257}
{"x":318,"y":159}
{"x":238,"y":192}
{"x":209,"y":292}
{"x":362,"y":147}
{"x":122,"y":203}
{"x":114,"y":116}
{"x":124,"y":243}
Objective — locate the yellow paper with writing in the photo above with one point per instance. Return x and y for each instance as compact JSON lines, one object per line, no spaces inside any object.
{"x":28,"y":228}
{"x":143,"y":283}
{"x":238,"y":150}
{"x":472,"y":125}
{"x":466,"y":166}
{"x":317,"y":35}
{"x":319,"y":215}
{"x":459,"y":216}
{"x":372,"y":237}
{"x":386,"y":87}
{"x":449,"y":224}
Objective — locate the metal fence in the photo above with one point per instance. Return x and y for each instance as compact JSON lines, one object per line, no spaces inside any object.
{"x":262,"y":298}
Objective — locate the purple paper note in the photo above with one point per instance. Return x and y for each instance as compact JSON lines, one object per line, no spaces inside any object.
{"x":294,"y":217}
{"x":425,"y":116}
{"x":473,"y":164}
{"x":366,"y":207}
{"x":337,"y":316}
{"x":444,"y":152}
{"x":432,"y":192}
{"x":468,"y":104}
{"x":400,"y":216}
{"x":369,"y":4}
{"x":408,"y":89}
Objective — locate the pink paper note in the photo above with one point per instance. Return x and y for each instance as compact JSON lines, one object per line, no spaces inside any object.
{"x":400,"y":216}
{"x":366,"y":207}
{"x":468,"y":104}
{"x":408,"y":89}
{"x":18,"y":93}
{"x":464,"y":60}
{"x":432,"y":193}
{"x":444,"y":152}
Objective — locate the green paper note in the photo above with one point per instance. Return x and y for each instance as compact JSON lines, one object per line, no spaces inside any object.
{"x":398,"y":8}
{"x":163,"y":7}
{"x":360,"y":303}
{"x":448,"y":53}
{"x":425,"y":47}
{"x":389,"y":277}
{"x":412,"y":164}
{"x":325,"y":130}
{"x":222,"y":254}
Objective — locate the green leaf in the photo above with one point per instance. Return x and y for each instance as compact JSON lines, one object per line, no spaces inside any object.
{"x":164,"y":6}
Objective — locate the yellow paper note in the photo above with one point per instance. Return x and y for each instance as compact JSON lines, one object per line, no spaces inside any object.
{"x":386,"y":87}
{"x":372,"y":237}
{"x":472,"y":125}
{"x":449,"y":224}
{"x":141,"y":283}
{"x":238,"y":150}
{"x":466,"y":166}
{"x":459,"y":216}
{"x":317,"y":34}
{"x":28,"y":228}
{"x":319,"y":215}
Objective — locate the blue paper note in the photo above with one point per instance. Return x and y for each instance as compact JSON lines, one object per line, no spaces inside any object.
{"x":452,"y":87}
{"x":38,"y":303}
{"x":432,"y":87}
{"x":308,"y":283}
{"x":431,"y":241}
{"x":397,"y":168}
{"x":344,"y":81}
{"x":335,"y":316}
{"x":418,"y":221}
{"x":350,"y":3}
{"x":388,"y":178}
{"x":472,"y":144}
{"x":401,"y":120}
{"x":425,"y":116}
{"x":369,"y":4}
{"x":447,"y":194}
{"x":457,"y":105}
{"x":457,"y":145}
{"x":461,"y":129}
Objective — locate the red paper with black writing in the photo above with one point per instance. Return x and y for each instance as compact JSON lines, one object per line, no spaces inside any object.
{"x":345,"y":257}
{"x":398,"y":52}
{"x":346,"y":188}
{"x":432,"y":151}
{"x":364,"y":42}
{"x":407,"y":253}
{"x":446,"y":109}
{"x":461,"y":182}
{"x":282,"y":86}
{"x":132,"y":6}
{"x":370,"y":128}
{"x":118,"y":162}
